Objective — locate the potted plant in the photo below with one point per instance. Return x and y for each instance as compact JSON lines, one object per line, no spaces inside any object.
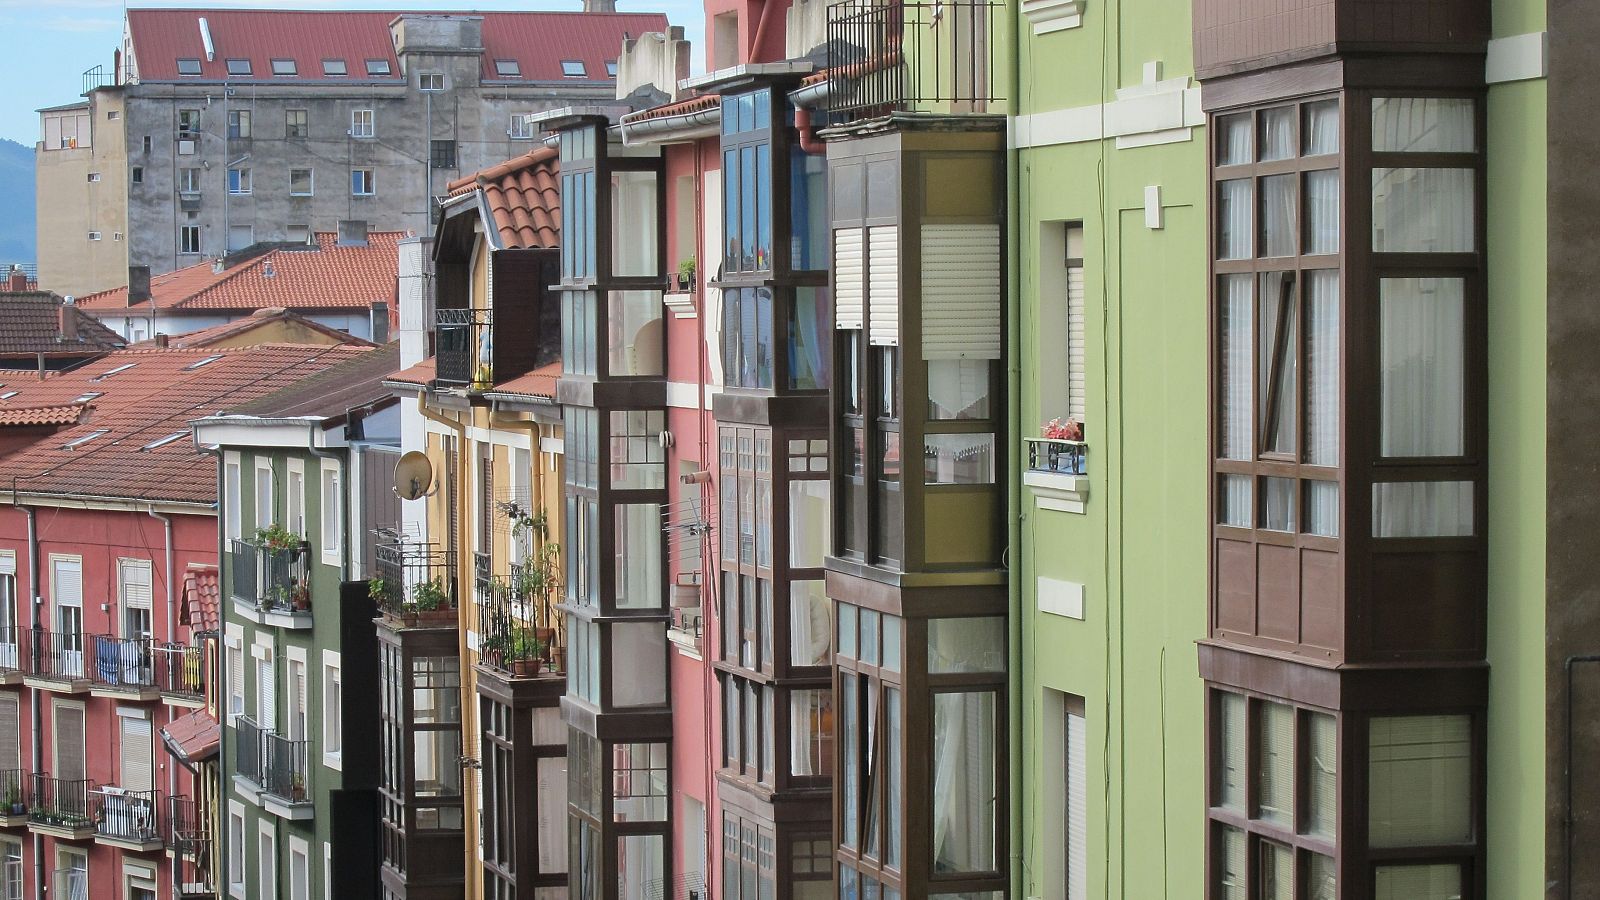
{"x":297,"y":787}
{"x":13,"y":801}
{"x":527,"y":653}
{"x":382,"y":591}
{"x":1063,"y":452}
{"x":494,"y":649}
{"x":686,"y":274}
{"x":299,"y":596}
{"x":431,"y":600}
{"x":277,"y":537}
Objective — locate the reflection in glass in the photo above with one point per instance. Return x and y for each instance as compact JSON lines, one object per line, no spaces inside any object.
{"x":1423,"y":210}
{"x":1422,"y":361}
{"x":1420,"y":780}
{"x":964,"y":787}
{"x":958,"y":459}
{"x":636,"y":338}
{"x":634,"y":233}
{"x":641,"y":862}
{"x":1422,"y":125}
{"x":810,"y":324}
{"x":638,"y":555}
{"x":1422,"y":509}
{"x":638,"y":663}
{"x":1278,"y":215}
{"x":966,"y":645}
{"x":810,"y":621}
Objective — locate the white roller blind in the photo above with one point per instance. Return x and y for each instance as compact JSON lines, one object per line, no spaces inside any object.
{"x":1075,"y":343}
{"x":232,"y":500}
{"x":883,"y":285}
{"x":69,"y":743}
{"x":10,"y":729}
{"x":848,"y":265}
{"x":136,"y":762}
{"x":135,"y":577}
{"x":235,"y":681}
{"x":961,"y":292}
{"x":266,"y":690}
{"x":1077,"y":808}
{"x":296,"y":502}
{"x":69,"y":582}
{"x":297,"y":700}
{"x":1420,"y":781}
{"x":8,"y":564}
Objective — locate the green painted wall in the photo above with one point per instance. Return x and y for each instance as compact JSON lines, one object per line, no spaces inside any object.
{"x":1139,"y":548}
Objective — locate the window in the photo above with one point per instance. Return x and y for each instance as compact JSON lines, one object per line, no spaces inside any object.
{"x":361,"y":123}
{"x":72,"y":874}
{"x":239,"y":180}
{"x":442,"y":154}
{"x":430,"y":81}
{"x":188,"y":122}
{"x":573,"y":68}
{"x":297,"y":233}
{"x":334,"y":68}
{"x":238,"y":67}
{"x":1420,"y":781}
{"x":188,"y":66}
{"x":138,"y":175}
{"x":300,"y":183}
{"x":361,"y":182}
{"x":134,"y":585}
{"x":332,"y":709}
{"x":284,"y":68}
{"x":1062,"y":342}
{"x":189,"y":181}
{"x":240,"y":237}
{"x":747,"y":341}
{"x":11,"y":880}
{"x":94,"y":235}
{"x":266,"y":859}
{"x":299,"y":869}
{"x":68,"y":749}
{"x":135,"y":753}
{"x":189,"y":239}
{"x":265,"y":514}
{"x":235,"y":677}
{"x":611,"y":68}
{"x":66,"y":651}
{"x":1066,"y":790}
{"x":10,"y":627}
{"x":510,"y":68}
{"x":238,"y":123}
{"x":378,"y":68}
{"x":297,"y":123}
{"x":520,"y":128}
{"x":297,"y":728}
{"x":332,"y":515}
{"x":747,"y":181}
{"x":94,"y":177}
{"x":236,"y":849}
{"x":147,"y":143}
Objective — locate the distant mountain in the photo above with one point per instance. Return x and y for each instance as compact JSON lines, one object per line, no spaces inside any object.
{"x":16,"y":203}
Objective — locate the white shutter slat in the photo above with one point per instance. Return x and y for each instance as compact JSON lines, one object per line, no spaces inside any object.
{"x":266,"y":692}
{"x":136,"y":753}
{"x":136,"y":592}
{"x":69,"y":582}
{"x":69,"y":743}
{"x":961,"y":296}
{"x":849,"y":265}
{"x":1076,"y":385}
{"x":236,"y":680}
{"x":1077,"y":809}
{"x":883,"y":285}
{"x":10,"y":731}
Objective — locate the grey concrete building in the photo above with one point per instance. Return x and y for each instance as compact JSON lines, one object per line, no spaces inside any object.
{"x":218,"y":129}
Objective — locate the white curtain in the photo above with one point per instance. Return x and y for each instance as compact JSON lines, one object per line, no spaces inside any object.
{"x":1440,"y":881}
{"x":1423,"y":210}
{"x":1422,"y":125}
{"x":1237,"y":333}
{"x":1421,"y":350}
{"x":1277,"y":133}
{"x":964,"y":782}
{"x":1279,"y":352}
{"x":1234,"y":219}
{"x":1322,"y":211}
{"x":810,"y":623}
{"x":1321,"y":128}
{"x":810,"y":744}
{"x":1279,"y":512}
{"x":1322,"y":508}
{"x":1234,"y":146}
{"x":1322,"y":367}
{"x":1422,"y":509}
{"x":1278,"y":231}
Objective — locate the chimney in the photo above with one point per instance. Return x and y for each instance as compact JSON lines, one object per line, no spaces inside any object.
{"x":599,"y":6}
{"x":19,"y":280}
{"x":380,"y":322}
{"x":352,"y":233}
{"x":161,"y":341}
{"x":68,"y":318}
{"x":138,"y":285}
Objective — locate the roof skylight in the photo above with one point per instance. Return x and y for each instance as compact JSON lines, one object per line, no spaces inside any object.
{"x":378,"y":67}
{"x":508,"y":68}
{"x":75,"y":443}
{"x":334,"y":68}
{"x":162,"y":442}
{"x":86,"y":396}
{"x":204,"y":362}
{"x":8,"y":395}
{"x":188,"y":66}
{"x":110,"y":372}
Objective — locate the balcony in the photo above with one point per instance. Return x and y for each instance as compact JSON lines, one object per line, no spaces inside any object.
{"x":1058,"y":473}
{"x":13,"y":798}
{"x":189,"y":840}
{"x":459,"y":358}
{"x":414,"y":583}
{"x":181,"y":674}
{"x":270,"y":582}
{"x":60,"y":807}
{"x":517,"y":633}
{"x":126,"y":819}
{"x":13,"y":654}
{"x":124,"y":668}
{"x":56,"y":663}
{"x":887,"y":58}
{"x":249,"y":749}
{"x":272,"y":770}
{"x":687,"y":629}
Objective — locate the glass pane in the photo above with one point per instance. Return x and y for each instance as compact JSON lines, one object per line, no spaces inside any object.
{"x":891,"y":643}
{"x":811,"y":733}
{"x":1436,"y":882}
{"x":1422,"y":355}
{"x":1279,"y":496}
{"x":1322,"y":774}
{"x":1231,"y":864}
{"x":1237,"y":338}
{"x":810,"y":324}
{"x":633,"y":224}
{"x":1230,"y":751}
{"x":1322,"y":212}
{"x":809,"y":614}
{"x":847,"y":630}
{"x":763,"y":187}
{"x":1320,"y":130}
{"x":639,"y":782}
{"x":637,"y":338}
{"x":1322,"y":367}
{"x":959,"y":388}
{"x":958,"y":458}
{"x":1280,"y":350}
{"x":1322,"y":508}
{"x":967,"y":645}
{"x":1277,"y":872}
{"x":1233,"y":140}
{"x":894,"y":776}
{"x":870,"y":620}
{"x":1423,"y":210}
{"x":636,"y":455}
{"x":1422,"y":125}
{"x":641,"y":862}
{"x":638,"y":663}
{"x":851,"y":774}
{"x":964,"y":766}
{"x":1275,"y":764}
{"x":436,"y":763}
{"x":1234,"y":219}
{"x":1321,"y":881}
{"x":1233,"y":501}
{"x":638,"y":568}
{"x":1420,"y":784}
{"x":1278,"y":216}
{"x":808,"y":209}
{"x":1277,"y":134}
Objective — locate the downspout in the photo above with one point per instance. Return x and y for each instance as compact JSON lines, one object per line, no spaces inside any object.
{"x":809,"y":142}
{"x":172,"y":618}
{"x":218,"y":675}
{"x":1017,"y":680}
{"x":33,"y":698}
{"x":457,"y":490}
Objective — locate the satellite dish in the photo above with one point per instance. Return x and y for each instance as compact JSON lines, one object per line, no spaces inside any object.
{"x":413,"y":475}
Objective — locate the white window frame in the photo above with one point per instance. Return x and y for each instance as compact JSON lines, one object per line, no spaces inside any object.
{"x":56,"y":705}
{"x":266,"y":869}
{"x":431,"y":82}
{"x":233,"y":644}
{"x":363,"y":123}
{"x":311,"y":183}
{"x":332,"y":710}
{"x":124,"y":566}
{"x":11,"y":849}
{"x":299,"y":886}
{"x":332,"y":514}
{"x":264,"y":465}
{"x":238,"y":857}
{"x":232,"y":496}
{"x":294,"y":496}
{"x":520,"y":128}
{"x":261,"y":655}
{"x":184,"y":246}
{"x":297,"y":701}
{"x":67,"y":857}
{"x":240,"y":185}
{"x":327,"y":870}
{"x":189,"y":180}
{"x":125,"y":714}
{"x":239,"y":121}
{"x":368,"y":183}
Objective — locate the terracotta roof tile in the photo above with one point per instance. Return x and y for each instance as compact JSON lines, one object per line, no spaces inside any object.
{"x":207,"y":337}
{"x":41,"y":415}
{"x":201,"y":598}
{"x":541,"y":382}
{"x":324,"y":276}
{"x":193,"y":737}
{"x":31,"y":323}
{"x":681,"y":108}
{"x":524,"y":197}
{"x":421,"y":374}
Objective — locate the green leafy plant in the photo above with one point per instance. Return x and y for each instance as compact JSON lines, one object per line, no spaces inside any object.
{"x":277,"y":537}
{"x":525,"y":644}
{"x":430,"y":595}
{"x":381,"y":590}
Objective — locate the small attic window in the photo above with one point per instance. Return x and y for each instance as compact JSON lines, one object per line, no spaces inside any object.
{"x":8,"y":395}
{"x":188,"y":66}
{"x":86,"y":396}
{"x":334,"y":68}
{"x":284,"y":68}
{"x":378,"y":67}
{"x":573,"y":68}
{"x":110,"y":372}
{"x":204,"y":362}
{"x":162,"y":442}
{"x":239,"y":67}
{"x":79,"y":442}
{"x":508,"y":68}
{"x":611,"y":68}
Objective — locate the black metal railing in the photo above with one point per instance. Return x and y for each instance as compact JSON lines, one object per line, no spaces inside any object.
{"x":274,"y":579}
{"x":180,"y":669}
{"x":60,"y":802}
{"x":97,"y":77}
{"x":188,"y":828}
{"x":456,"y":350}
{"x":687,"y":886}
{"x":1056,"y":455}
{"x":13,"y":649}
{"x":886,"y":57}
{"x":13,"y":792}
{"x":411,"y":576}
{"x":518,"y":632}
{"x":57,"y":655}
{"x":126,"y":663}
{"x":249,"y":748}
{"x":286,"y":768}
{"x":126,"y":815}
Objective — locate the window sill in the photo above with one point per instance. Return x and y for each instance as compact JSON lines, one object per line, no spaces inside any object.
{"x":1057,"y":491}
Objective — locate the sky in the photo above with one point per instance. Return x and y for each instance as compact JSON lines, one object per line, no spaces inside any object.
{"x":50,"y":43}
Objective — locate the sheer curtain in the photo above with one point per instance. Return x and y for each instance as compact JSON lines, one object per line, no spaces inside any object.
{"x":1322,"y":398}
{"x":1321,"y":129}
{"x":1234,"y":219}
{"x":1421,"y":352}
{"x":1233,"y":145}
{"x":1277,"y":366}
{"x":1422,"y":125}
{"x":1322,"y":211}
{"x":1278,"y":232}
{"x":809,"y":623}
{"x":1277,"y":134}
{"x":1422,"y":509}
{"x":1422,"y":210}
{"x":1237,"y":340}
{"x":964,"y":782}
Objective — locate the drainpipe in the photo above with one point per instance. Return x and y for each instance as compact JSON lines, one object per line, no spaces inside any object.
{"x":761,"y":30}
{"x":172,"y":634}
{"x":1017,"y":681}
{"x":33,"y":696}
{"x":457,"y":490}
{"x":809,"y":142}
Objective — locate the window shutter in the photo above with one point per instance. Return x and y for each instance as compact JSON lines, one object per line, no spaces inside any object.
{"x":1077,"y":809}
{"x":296,"y":502}
{"x":297,"y":700}
{"x":330,"y":511}
{"x":263,"y":496}
{"x":69,"y":582}
{"x":136,"y":752}
{"x":231,"y":497}
{"x":961,"y":292}
{"x":8,"y":564}
{"x":883,"y":285}
{"x":266,"y":691}
{"x":10,"y":731}
{"x":135,"y":585}
{"x":1075,"y":343}
{"x":69,"y":743}
{"x":235,"y":681}
{"x":848,"y":263}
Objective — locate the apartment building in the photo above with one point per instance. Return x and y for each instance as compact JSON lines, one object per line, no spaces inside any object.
{"x":218,"y":129}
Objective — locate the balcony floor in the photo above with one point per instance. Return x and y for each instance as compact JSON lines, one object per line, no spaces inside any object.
{"x":248,"y":611}
{"x":183,"y":701}
{"x":83,"y":832}
{"x":58,"y":685}
{"x":151,"y":844}
{"x":288,"y":809}
{"x":126,"y":692}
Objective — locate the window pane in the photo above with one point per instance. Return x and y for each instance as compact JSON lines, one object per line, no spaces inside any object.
{"x":633,"y":224}
{"x":638,"y":563}
{"x":1277,"y":872}
{"x":1278,"y":365}
{"x":1237,"y":337}
{"x":1322,"y":212}
{"x":1320,"y":130}
{"x":1322,"y":367}
{"x":891,"y":643}
{"x":1234,"y":219}
{"x":809,"y":624}
{"x":1322,"y":508}
{"x":639,"y":782}
{"x":847,"y":630}
{"x":641,"y":862}
{"x":811,"y":733}
{"x":966,"y":645}
{"x":808,"y":209}
{"x":1230,"y":751}
{"x":964,"y":760}
{"x":1436,"y":882}
{"x":851,"y":774}
{"x":637,"y":458}
{"x":1233,"y":140}
{"x":638,"y":663}
{"x":1422,"y":358}
{"x":1279,"y":496}
{"x":1420,"y":782}
{"x":893,"y":776}
{"x":1275,"y":766}
{"x":1322,"y":775}
{"x":959,"y":388}
{"x":810,"y":324}
{"x":637,"y":338}
{"x":1422,"y":509}
{"x":808,"y":523}
{"x":1278,"y":216}
{"x":1233,"y":499}
{"x":1230,"y":864}
{"x":958,"y":459}
{"x":1423,"y":210}
{"x":1422,"y":125}
{"x":436,"y":764}
{"x":1277,"y":133}
{"x":1321,"y":881}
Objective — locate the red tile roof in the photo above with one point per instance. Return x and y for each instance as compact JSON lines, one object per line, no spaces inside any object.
{"x":193,"y":737}
{"x":31,"y":323}
{"x":201,"y":598}
{"x":41,"y":415}
{"x":524,"y":197}
{"x":134,"y":441}
{"x":541,"y":382}
{"x":681,"y":108}
{"x":421,"y":374}
{"x":538,"y":41}
{"x":325,"y":276}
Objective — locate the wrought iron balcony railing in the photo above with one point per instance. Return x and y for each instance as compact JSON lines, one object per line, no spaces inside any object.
{"x":180,"y":670}
{"x":57,"y":655}
{"x":131,"y":816}
{"x":59,"y":802}
{"x":461,"y":349}
{"x":286,"y":770}
{"x":1058,"y":456}
{"x":518,"y":629}
{"x":886,"y":57}
{"x":412,"y":578}
{"x":249,"y":748}
{"x":273,"y":579}
{"x":13,"y":792}
{"x":189,"y":838}
{"x":125,"y":663}
{"x":13,"y":649}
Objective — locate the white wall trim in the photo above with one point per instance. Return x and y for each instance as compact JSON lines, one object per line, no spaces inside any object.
{"x":1060,"y":598}
{"x":1519,"y":57}
{"x":1053,"y":15}
{"x":1143,"y":115}
{"x":682,"y":395}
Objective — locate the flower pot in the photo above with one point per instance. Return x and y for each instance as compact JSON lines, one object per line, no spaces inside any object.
{"x":523,"y":668}
{"x":546,"y":638}
{"x":437,"y":616}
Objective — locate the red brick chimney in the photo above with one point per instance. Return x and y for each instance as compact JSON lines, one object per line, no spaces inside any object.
{"x":19,"y":280}
{"x":68,"y":319}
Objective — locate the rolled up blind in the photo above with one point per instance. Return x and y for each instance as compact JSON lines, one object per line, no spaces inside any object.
{"x":961,"y":297}
{"x":849,"y":259}
{"x":883,"y":285}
